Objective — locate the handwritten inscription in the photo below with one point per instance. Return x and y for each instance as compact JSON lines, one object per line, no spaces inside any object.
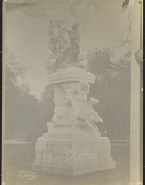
{"x":86,"y":154}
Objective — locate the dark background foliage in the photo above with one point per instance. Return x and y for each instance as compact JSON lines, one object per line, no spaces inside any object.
{"x":27,"y":117}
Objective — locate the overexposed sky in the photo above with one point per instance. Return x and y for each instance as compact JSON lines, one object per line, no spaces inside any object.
{"x":26,"y":32}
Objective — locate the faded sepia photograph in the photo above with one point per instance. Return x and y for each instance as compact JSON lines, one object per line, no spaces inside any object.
{"x":71,"y":103}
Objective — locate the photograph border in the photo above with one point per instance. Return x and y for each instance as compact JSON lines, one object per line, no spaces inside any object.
{"x":136,"y":127}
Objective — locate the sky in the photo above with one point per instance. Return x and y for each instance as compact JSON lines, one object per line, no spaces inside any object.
{"x":27,"y":38}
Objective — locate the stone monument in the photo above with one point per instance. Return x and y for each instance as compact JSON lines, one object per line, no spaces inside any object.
{"x":73,"y":146}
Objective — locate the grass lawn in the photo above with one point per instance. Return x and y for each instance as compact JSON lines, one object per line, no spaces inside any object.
{"x":19,"y":157}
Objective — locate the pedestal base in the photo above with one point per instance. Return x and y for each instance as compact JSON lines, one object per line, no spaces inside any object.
{"x":74,"y":171}
{"x":72,"y":151}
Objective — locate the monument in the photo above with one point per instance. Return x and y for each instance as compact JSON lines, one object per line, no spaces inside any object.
{"x":73,"y":145}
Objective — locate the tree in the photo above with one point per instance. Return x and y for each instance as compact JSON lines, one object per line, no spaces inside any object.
{"x":12,"y":70}
{"x":112,"y":88}
{"x":24,"y":88}
{"x":99,"y":63}
{"x":21,"y":108}
{"x":112,"y":70}
{"x":57,"y":45}
{"x":121,"y":52}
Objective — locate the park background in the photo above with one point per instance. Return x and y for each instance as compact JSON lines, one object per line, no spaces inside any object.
{"x":105,"y":36}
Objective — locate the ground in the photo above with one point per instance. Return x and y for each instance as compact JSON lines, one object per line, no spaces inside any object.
{"x":19,"y":157}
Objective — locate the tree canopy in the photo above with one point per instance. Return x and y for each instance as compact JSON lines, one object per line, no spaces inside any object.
{"x":21,"y":107}
{"x":57,"y":45}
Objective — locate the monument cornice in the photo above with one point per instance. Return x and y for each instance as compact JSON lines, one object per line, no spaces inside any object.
{"x":71,"y":74}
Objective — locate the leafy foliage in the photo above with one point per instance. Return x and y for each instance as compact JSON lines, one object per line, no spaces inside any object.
{"x":12,"y":69}
{"x":21,"y":108}
{"x":100,"y":63}
{"x":58,"y":44}
{"x":112,"y":68}
{"x":46,"y":107}
{"x":112,"y":88}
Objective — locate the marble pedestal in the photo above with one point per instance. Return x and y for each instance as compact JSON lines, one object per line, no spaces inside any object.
{"x":73,"y":145}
